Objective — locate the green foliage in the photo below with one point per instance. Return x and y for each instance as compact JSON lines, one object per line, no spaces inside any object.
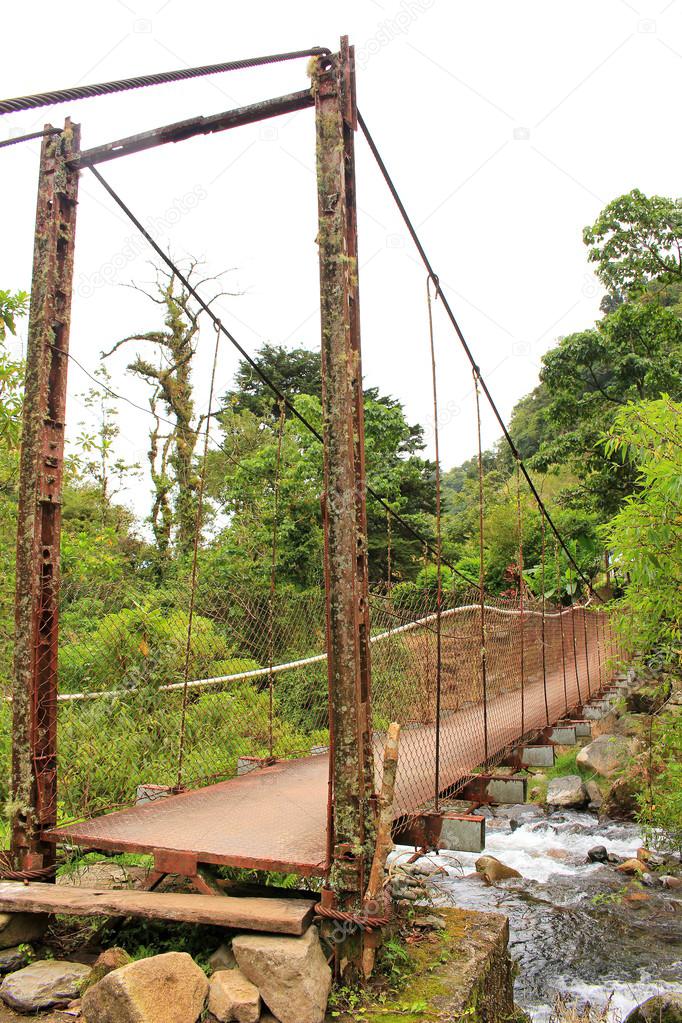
{"x":644,"y":535}
{"x":12,"y":306}
{"x":636,"y":239}
{"x":661,"y":802}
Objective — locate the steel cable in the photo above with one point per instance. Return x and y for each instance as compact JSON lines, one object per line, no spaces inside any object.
{"x":46,"y":99}
{"x":458,"y":330}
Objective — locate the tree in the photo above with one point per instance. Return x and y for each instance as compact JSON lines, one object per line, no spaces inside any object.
{"x":635,"y":240}
{"x":644,"y":535}
{"x":97,"y":463}
{"x":294,"y":371}
{"x":632,"y":354}
{"x":173,"y":438}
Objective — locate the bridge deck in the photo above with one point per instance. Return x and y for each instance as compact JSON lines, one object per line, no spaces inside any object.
{"x":275,"y":818}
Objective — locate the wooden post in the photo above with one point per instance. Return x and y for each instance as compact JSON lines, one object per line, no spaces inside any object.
{"x":351,"y":760}
{"x":34,"y":737}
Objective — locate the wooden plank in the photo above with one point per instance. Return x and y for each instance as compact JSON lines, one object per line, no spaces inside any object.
{"x":277,"y":916}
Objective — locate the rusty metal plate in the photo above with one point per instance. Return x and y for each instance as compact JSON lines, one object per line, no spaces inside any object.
{"x":268,"y":819}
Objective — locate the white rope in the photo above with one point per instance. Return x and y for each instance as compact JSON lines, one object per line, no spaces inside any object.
{"x":201,"y":683}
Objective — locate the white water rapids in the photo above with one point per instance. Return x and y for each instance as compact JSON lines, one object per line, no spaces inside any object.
{"x":573,"y":931}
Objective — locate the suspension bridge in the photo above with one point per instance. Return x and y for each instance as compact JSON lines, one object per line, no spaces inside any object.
{"x":220,"y":780}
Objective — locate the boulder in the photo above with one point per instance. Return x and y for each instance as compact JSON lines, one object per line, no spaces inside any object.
{"x":606,"y":754}
{"x":222,"y":959}
{"x":43,"y":985}
{"x":632,"y":867}
{"x":14,"y":958}
{"x":21,"y":928}
{"x":597,"y":854}
{"x":621,"y":801}
{"x":594,"y":795}
{"x":291,"y":974}
{"x":568,"y":791}
{"x":492,"y":869}
{"x":232,"y":997}
{"x":666,"y":1008}
{"x":670,"y":881}
{"x":108,"y":961}
{"x":168,"y":988}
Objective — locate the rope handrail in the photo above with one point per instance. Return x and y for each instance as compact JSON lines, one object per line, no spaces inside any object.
{"x":304,"y":662}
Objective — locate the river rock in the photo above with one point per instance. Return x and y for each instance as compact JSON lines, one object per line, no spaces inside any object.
{"x":222,"y":959}
{"x":168,"y":988}
{"x":568,"y":791}
{"x":492,"y":869}
{"x":21,"y":928}
{"x":291,"y":974}
{"x":666,"y":1008}
{"x":43,"y":985}
{"x":670,"y":881}
{"x":621,"y":801}
{"x":632,"y":867}
{"x":14,"y":958}
{"x":597,"y":854}
{"x":594,"y":795}
{"x":233,"y":997}
{"x":606,"y":754}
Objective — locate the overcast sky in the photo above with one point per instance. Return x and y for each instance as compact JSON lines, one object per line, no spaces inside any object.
{"x":506,"y":127}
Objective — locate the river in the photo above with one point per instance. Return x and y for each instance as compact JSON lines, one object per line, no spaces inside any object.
{"x":574,"y":927}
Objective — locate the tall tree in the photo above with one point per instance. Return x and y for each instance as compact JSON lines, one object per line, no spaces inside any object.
{"x":173,"y":438}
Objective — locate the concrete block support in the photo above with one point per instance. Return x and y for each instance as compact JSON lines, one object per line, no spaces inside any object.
{"x":462,"y":833}
{"x":537,"y":756}
{"x":563,"y":735}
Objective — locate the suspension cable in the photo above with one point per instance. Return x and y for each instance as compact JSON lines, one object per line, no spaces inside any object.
{"x":194,"y":575}
{"x":282,"y":397}
{"x":458,"y":330}
{"x":481,"y":576}
{"x":575,"y":643}
{"x":47,"y":99}
{"x":561,"y":618}
{"x":543,"y":621}
{"x":522,"y":651}
{"x":31,"y":135}
{"x":273,"y":570}
{"x":439,"y":566}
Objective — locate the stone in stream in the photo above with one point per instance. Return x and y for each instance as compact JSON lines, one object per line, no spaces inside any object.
{"x":168,"y":988}
{"x":43,"y":985}
{"x":233,"y":997}
{"x":597,"y":854}
{"x":670,"y":881}
{"x":21,"y":928}
{"x":606,"y":754}
{"x":568,"y":791}
{"x":594,"y":795}
{"x":665,"y":1008}
{"x":292,"y":974}
{"x":492,"y":869}
{"x":632,"y":867}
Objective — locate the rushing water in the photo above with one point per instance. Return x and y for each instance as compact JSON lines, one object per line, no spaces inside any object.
{"x":574,"y":927}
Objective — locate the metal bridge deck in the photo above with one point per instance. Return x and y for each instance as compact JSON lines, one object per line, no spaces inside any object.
{"x":275,"y":818}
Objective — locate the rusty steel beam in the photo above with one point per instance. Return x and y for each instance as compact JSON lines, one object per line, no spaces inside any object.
{"x":181,"y":130}
{"x":34,"y":737}
{"x":351,"y":760}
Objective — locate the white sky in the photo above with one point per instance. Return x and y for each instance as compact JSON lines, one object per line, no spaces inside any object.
{"x":506,"y":127}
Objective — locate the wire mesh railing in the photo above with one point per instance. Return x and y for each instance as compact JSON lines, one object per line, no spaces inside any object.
{"x":258,"y":687}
